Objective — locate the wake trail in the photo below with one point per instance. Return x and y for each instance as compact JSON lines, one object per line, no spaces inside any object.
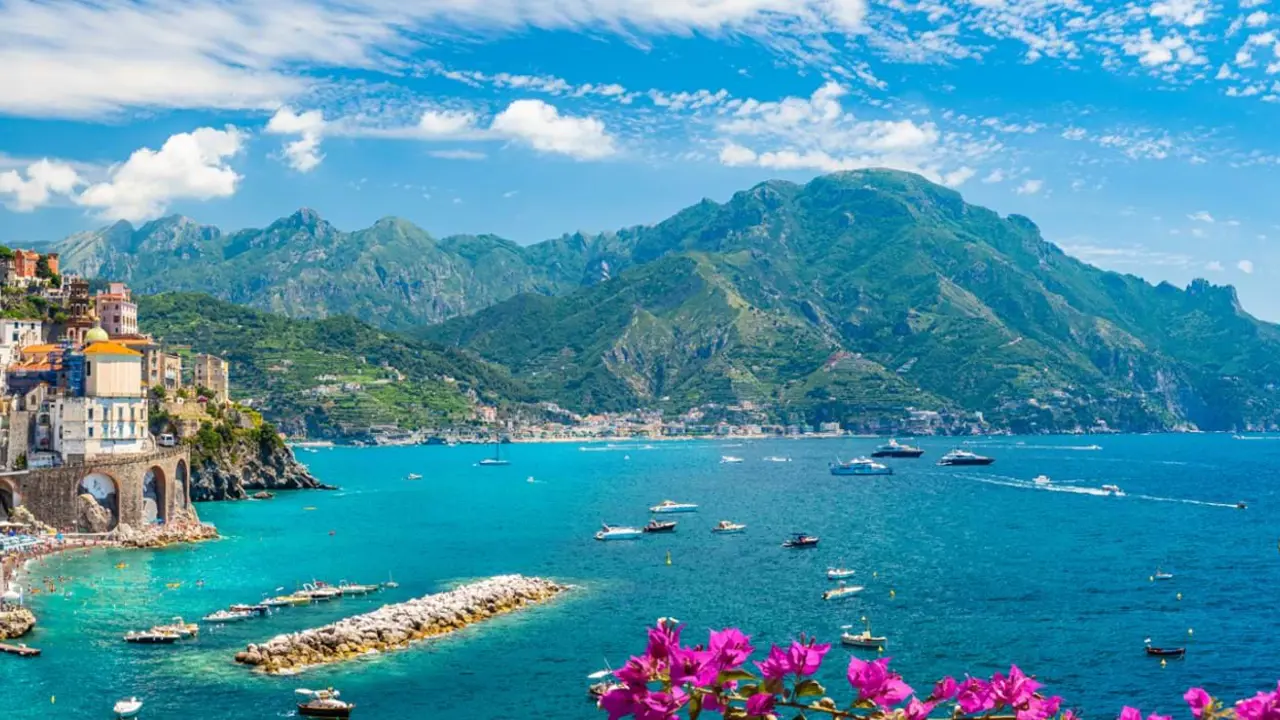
{"x":1081,"y":490}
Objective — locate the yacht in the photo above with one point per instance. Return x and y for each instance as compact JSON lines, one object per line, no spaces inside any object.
{"x":659,"y":526}
{"x":356,"y":589}
{"x":729,"y":459}
{"x":894,"y":449}
{"x":860,"y":466}
{"x":179,"y":628}
{"x":259,"y":609}
{"x":726,"y":527}
{"x":1161,"y":575}
{"x":225,"y":616}
{"x":127,"y":708}
{"x":841,"y":591}
{"x":324,"y":704}
{"x":413,"y":476}
{"x":287,"y":600}
{"x":1113,"y":490}
{"x":864,"y":640}
{"x":618,"y":533}
{"x":839,"y":573}
{"x":1042,"y":480}
{"x":671,"y":506}
{"x":800,"y":540}
{"x":152,"y":637}
{"x":964,"y":457}
{"x":776,"y":458}
{"x":496,"y":460}
{"x":319,"y":592}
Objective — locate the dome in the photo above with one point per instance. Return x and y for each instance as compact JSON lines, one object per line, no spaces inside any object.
{"x":96,"y":335}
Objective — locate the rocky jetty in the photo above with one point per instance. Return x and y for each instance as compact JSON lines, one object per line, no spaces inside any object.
{"x":396,"y":626}
{"x":15,"y":622}
{"x":184,"y":527}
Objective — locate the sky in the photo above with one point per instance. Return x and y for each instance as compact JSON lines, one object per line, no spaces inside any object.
{"x":1140,"y":136}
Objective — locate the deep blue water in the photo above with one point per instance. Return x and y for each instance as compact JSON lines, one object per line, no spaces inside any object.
{"x":985,"y":570}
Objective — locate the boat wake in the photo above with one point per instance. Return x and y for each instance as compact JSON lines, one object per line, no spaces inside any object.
{"x":1082,"y":490}
{"x":1184,"y":500}
{"x":1024,"y":446}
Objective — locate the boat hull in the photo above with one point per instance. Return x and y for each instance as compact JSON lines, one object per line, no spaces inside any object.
{"x":151,"y":639}
{"x":797,"y":545}
{"x":493,"y":463}
{"x":1166,"y":652}
{"x":661,"y":528}
{"x":967,"y":461}
{"x":852,"y":472}
{"x":897,"y":453}
{"x":728,"y":531}
{"x":659,"y":510}
{"x":857,"y":641}
{"x":325,"y":712}
{"x":618,"y":536}
{"x":839,"y":574}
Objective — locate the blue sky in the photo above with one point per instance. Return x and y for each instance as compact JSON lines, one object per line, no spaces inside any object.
{"x":1140,"y":136}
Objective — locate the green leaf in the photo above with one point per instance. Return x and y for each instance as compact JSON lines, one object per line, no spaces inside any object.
{"x":735,"y":676}
{"x":747,"y":691}
{"x":695,"y":707}
{"x":810,"y":688}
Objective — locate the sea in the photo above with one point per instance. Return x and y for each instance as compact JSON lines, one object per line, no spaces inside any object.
{"x":966,"y":570}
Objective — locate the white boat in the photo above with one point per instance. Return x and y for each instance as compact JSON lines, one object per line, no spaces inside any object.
{"x":1042,"y":480}
{"x":287,"y":600}
{"x":1161,"y":575}
{"x":671,"y":506}
{"x":726,"y":527}
{"x":320,"y":592}
{"x":347,"y":588}
{"x":729,"y":459}
{"x":842,"y":591}
{"x":127,"y":708}
{"x":413,"y":476}
{"x":497,"y":457}
{"x":324,"y":704}
{"x":226,"y":616}
{"x":618,"y":533}
{"x":839,"y":573}
{"x":179,"y":628}
{"x":860,"y":466}
{"x":777,"y":458}
{"x":863,"y":639}
{"x":1114,"y":490}
{"x":964,"y":457}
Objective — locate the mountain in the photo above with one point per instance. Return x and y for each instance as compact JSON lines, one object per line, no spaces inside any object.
{"x":393,"y":274}
{"x":330,"y":377}
{"x":873,"y":290}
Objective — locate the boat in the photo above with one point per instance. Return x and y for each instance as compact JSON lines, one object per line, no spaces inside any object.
{"x":179,"y":628}
{"x":839,"y":573}
{"x":1160,"y":575}
{"x":347,"y":588}
{"x":497,"y":456}
{"x":725,"y":527}
{"x":729,"y":459}
{"x":618,"y":533}
{"x":1042,"y":480}
{"x":964,"y":457}
{"x":224,"y":616}
{"x":288,"y":600}
{"x":320,"y":592}
{"x":894,"y":449}
{"x":603,"y":684}
{"x":1164,"y":652}
{"x":413,"y":476}
{"x":152,"y":637}
{"x":860,"y":466}
{"x":127,"y":708}
{"x":1113,"y":490}
{"x":670,"y":506}
{"x":660,"y":526}
{"x":800,"y":540}
{"x":776,"y":458}
{"x":324,"y":704}
{"x":1241,"y":506}
{"x":842,"y":591}
{"x":259,"y":609}
{"x":21,"y":650}
{"x":864,"y":640}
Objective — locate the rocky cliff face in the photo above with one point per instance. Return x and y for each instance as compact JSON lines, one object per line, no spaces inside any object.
{"x":236,"y":470}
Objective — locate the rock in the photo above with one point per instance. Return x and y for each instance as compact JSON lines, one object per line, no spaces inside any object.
{"x":15,"y":622}
{"x":239,"y":469}
{"x":92,"y":517}
{"x":22,"y":516}
{"x":396,"y":626}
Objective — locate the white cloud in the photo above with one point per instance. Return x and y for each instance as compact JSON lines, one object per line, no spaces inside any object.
{"x":1213,"y":266}
{"x":1245,"y":266}
{"x":302,"y":154}
{"x":1258,"y":18}
{"x":1182,"y":12}
{"x":1201,"y":216}
{"x":1074,"y":133}
{"x":44,"y":179}
{"x":1246,"y":4}
{"x":457,"y":154}
{"x":957,"y":177}
{"x":994,"y":176}
{"x":542,"y":127}
{"x":510,"y":193}
{"x":445,"y":123}
{"x":188,"y":166}
{"x":1030,"y":187}
{"x":1168,"y":50}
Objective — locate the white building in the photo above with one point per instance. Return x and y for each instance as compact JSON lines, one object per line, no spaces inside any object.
{"x":14,"y":335}
{"x":111,"y":418}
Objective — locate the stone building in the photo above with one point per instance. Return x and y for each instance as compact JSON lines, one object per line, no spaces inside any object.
{"x":110,"y":417}
{"x":79,"y":309}
{"x":214,"y":373}
{"x":116,"y":310}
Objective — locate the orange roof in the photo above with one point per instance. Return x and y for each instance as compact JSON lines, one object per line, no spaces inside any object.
{"x":110,"y":348}
{"x":43,"y":348}
{"x":133,"y":340}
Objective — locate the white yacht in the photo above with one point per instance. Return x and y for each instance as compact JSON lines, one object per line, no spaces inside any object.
{"x":226,"y":616}
{"x":729,"y":459}
{"x":671,"y":506}
{"x":842,"y":591}
{"x":1042,"y":480}
{"x":860,"y":466}
{"x":618,"y":533}
{"x":1113,"y":490}
{"x":726,"y":527}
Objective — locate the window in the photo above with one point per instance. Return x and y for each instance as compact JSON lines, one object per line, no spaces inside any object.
{"x":88,"y":368}
{"x":90,"y":413}
{"x":91,"y":431}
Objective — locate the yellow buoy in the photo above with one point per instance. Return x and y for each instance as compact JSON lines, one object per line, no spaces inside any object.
{"x":1163,"y":662}
{"x":892,"y":593}
{"x":53,"y":699}
{"x":668,"y":557}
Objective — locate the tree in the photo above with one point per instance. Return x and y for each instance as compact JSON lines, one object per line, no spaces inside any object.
{"x":42,"y":267}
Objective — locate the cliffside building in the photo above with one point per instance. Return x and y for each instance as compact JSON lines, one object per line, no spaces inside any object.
{"x":214,"y":373}
{"x":110,"y":417}
{"x":116,"y":310}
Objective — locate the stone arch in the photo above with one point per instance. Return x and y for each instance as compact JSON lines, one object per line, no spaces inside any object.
{"x":155,"y":496}
{"x":100,"y":510}
{"x":184,"y":484}
{"x":9,"y":498}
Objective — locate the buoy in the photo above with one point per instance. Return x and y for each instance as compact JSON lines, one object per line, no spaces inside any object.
{"x":1191,"y":631}
{"x":875,"y":574}
{"x":53,"y":699}
{"x":892,"y":593}
{"x":332,"y":533}
{"x":1163,"y":662}
{"x":1179,"y":596}
{"x":1151,"y":578}
{"x":668,"y":557}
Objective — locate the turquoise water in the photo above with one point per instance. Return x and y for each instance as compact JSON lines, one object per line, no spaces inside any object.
{"x":985,"y":570}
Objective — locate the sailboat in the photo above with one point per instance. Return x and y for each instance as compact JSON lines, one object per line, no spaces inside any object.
{"x":497,"y":456}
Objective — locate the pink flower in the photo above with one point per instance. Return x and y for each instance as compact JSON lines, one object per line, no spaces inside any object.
{"x":1130,"y":713}
{"x":730,"y":647}
{"x":917,"y":710}
{"x":806,"y":659}
{"x":1263,"y":706}
{"x":1070,"y":715}
{"x":1198,"y":699}
{"x":660,"y":705}
{"x":875,"y":683}
{"x":975,"y":696}
{"x":776,"y":666}
{"x":945,"y":689}
{"x":619,"y":703}
{"x":1014,"y":690}
{"x":1039,"y":708}
{"x":760,"y":704}
{"x":663,"y":639}
{"x":638,"y":671}
{"x":694,"y":666}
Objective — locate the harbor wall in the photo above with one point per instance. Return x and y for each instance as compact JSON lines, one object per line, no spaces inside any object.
{"x":137,"y":490}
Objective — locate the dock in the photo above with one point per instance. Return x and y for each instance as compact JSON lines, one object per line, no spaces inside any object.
{"x":19,"y":650}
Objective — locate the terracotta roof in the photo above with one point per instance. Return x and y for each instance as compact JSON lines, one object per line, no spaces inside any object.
{"x":40,"y":349}
{"x":110,"y":348}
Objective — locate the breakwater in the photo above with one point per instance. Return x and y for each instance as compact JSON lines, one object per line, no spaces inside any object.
{"x":15,"y":622}
{"x":396,"y":626}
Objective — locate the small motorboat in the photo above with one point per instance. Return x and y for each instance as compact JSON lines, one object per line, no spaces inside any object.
{"x":1161,"y":575}
{"x":671,"y":506}
{"x":840,"y":573}
{"x":225,"y":616}
{"x":1113,"y":490}
{"x":726,"y":526}
{"x":729,"y":459}
{"x":127,"y":708}
{"x":152,"y":637}
{"x":964,"y":457}
{"x":258,"y":609}
{"x":608,"y":532}
{"x":179,"y":628}
{"x":860,"y":466}
{"x":324,"y":704}
{"x":863,"y":640}
{"x":287,"y":600}
{"x":842,"y":591}
{"x":894,"y":449}
{"x":659,"y":526}
{"x":413,"y":476}
{"x":347,"y":588}
{"x":800,"y":540}
{"x":776,"y":458}
{"x":1042,"y":480}
{"x":603,"y":684}
{"x":1241,"y":506}
{"x":1165,"y":652}
{"x":320,"y":592}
